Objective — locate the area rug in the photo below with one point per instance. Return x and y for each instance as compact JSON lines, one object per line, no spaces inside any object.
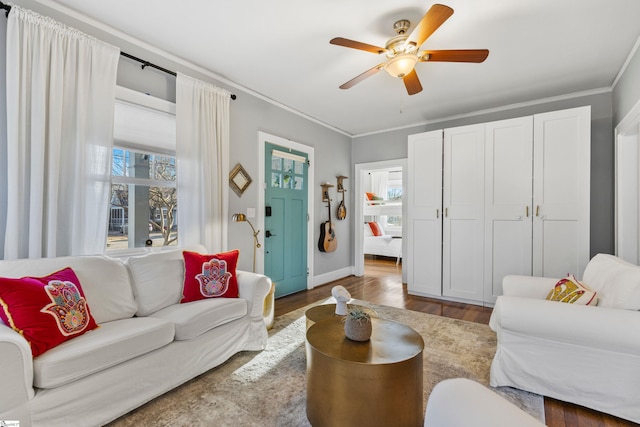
{"x":267,"y":388}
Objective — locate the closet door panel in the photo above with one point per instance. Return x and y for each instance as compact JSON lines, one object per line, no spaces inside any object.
{"x":562,"y":162}
{"x":508,"y":200}
{"x":463,"y":201}
{"x":424,"y":214}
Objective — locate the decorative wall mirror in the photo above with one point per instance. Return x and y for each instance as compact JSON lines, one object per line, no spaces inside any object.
{"x":239,"y":179}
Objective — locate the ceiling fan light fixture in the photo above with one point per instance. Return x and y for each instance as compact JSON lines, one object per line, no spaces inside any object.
{"x":401,"y":65}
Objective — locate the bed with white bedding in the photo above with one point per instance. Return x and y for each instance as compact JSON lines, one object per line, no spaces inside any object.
{"x":382,"y":245}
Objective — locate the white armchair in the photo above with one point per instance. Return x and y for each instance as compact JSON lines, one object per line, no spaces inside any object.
{"x":588,"y":355}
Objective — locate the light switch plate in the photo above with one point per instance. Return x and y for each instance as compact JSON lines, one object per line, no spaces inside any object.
{"x":251,"y":212}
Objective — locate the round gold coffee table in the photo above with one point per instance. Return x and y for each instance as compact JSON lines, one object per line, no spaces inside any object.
{"x":372,"y":383}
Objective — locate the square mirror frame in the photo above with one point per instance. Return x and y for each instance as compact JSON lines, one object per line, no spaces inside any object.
{"x":239,"y":179}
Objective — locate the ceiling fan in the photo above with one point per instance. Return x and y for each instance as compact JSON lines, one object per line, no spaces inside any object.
{"x":403,"y":53}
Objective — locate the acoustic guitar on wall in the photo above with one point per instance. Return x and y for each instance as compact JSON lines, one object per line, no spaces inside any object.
{"x":328,"y":241}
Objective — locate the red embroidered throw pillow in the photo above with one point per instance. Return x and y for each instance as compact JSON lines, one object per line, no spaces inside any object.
{"x":376,"y":230}
{"x":46,"y":311}
{"x":210,"y":276}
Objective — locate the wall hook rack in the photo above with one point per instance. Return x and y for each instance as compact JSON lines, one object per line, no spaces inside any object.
{"x":325,"y":191}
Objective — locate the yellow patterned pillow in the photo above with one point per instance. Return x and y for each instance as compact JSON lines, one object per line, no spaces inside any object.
{"x":572,"y":291}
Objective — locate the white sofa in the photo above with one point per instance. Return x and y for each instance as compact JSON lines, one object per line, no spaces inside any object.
{"x":146,"y":344}
{"x":461,"y":402}
{"x":587,"y":355}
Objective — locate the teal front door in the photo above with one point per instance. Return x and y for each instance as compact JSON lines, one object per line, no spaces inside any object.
{"x":285,"y":222}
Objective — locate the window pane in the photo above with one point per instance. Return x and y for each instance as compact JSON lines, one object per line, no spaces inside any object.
{"x":276,"y":163}
{"x":298,"y":168}
{"x":287,"y":165}
{"x":119,"y":165}
{"x":276,"y":180}
{"x":154,"y":218}
{"x":164,"y":168}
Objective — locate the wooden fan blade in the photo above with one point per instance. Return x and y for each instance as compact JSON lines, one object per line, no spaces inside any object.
{"x":460,"y":55}
{"x":412,"y":83}
{"x":430,"y":22}
{"x":339,"y":41}
{"x":370,"y":72}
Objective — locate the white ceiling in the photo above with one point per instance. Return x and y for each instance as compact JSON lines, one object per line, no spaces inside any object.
{"x":280,"y":49}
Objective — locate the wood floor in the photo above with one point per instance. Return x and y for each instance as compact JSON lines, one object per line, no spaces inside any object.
{"x":382,"y":284}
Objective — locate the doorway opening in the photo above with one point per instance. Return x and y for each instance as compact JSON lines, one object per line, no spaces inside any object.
{"x":627,"y":187}
{"x":379,"y":209}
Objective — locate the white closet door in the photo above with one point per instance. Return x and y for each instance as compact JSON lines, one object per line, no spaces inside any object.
{"x":463,"y":201}
{"x":561,"y":192}
{"x":508,"y":198}
{"x":424,"y":214}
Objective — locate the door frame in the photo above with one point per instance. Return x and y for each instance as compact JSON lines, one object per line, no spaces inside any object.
{"x":264,"y":137}
{"x":361,"y":169}
{"x":627,"y":131}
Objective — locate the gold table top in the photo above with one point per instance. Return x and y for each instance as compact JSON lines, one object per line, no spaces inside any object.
{"x":391,"y":342}
{"x":326,"y":311}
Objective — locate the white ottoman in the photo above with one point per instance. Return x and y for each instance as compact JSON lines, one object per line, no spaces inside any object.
{"x":461,"y":402}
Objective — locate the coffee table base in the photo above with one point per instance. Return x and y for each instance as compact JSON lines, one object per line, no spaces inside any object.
{"x":346,"y":393}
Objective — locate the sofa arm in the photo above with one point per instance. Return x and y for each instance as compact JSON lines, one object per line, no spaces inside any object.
{"x":527,"y":286}
{"x":16,"y":371}
{"x":254,"y":288}
{"x":603,"y":328}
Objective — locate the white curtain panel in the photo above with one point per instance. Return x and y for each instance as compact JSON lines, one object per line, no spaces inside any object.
{"x":379,"y":181}
{"x":60,"y":101}
{"x":202,"y":163}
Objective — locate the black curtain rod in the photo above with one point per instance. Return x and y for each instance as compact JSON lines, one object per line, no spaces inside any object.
{"x":126,"y":55}
{"x":157,"y":67}
{"x":5,"y":7}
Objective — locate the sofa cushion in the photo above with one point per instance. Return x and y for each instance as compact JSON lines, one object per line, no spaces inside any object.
{"x":113,"y":343}
{"x":196,"y":318}
{"x":572,"y":291}
{"x":157,"y":279}
{"x":616,"y":281}
{"x":105,"y":281}
{"x":210,"y":276}
{"x":46,"y":311}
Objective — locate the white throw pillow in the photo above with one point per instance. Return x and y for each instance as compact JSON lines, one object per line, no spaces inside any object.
{"x":616,"y":281}
{"x":157,"y":279}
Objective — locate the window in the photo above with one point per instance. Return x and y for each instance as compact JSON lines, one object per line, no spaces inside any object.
{"x":143,"y":200}
{"x":143,"y":208}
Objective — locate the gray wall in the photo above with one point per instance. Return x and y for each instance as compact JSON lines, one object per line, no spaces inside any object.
{"x":627,"y":91}
{"x":249,"y":114}
{"x":393,"y":145}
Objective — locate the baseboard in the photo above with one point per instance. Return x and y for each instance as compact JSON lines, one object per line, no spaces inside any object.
{"x":323,"y":279}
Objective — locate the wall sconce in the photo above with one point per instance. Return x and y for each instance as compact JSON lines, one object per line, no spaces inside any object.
{"x":243,"y":218}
